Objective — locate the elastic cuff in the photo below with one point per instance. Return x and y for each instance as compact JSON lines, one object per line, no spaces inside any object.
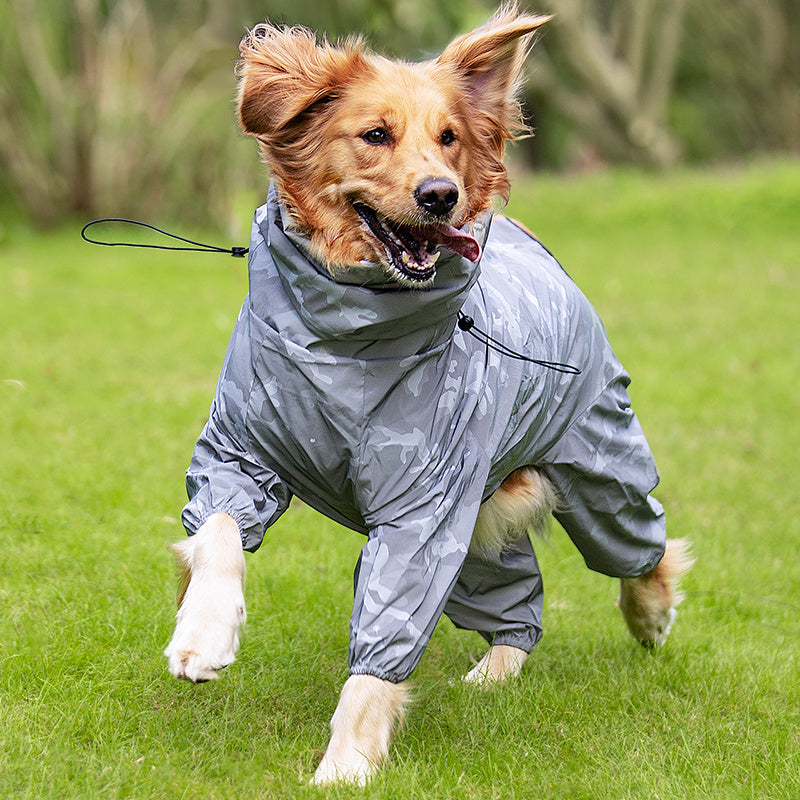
{"x":522,"y":641}
{"x":377,"y":673}
{"x":202,"y":519}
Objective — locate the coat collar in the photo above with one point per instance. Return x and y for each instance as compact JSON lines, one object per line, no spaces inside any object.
{"x":361,"y":305}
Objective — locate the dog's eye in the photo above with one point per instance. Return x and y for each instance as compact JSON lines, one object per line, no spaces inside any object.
{"x":376,"y":136}
{"x":447,"y":138}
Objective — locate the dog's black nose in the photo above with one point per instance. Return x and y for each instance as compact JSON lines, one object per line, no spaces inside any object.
{"x":437,"y":196}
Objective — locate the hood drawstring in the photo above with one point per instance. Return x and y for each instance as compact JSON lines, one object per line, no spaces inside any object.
{"x":464,"y":322}
{"x":197,"y":247}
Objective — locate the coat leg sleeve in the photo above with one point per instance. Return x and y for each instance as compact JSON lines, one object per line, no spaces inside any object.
{"x":401,"y":587}
{"x":603,"y":472}
{"x":501,"y":599}
{"x":406,"y":573}
{"x":224,"y":477}
{"x":226,"y":473}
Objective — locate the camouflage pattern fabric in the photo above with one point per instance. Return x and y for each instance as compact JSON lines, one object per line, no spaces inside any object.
{"x":366,"y":401}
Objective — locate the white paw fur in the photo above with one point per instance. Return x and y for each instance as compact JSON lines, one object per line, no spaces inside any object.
{"x":369,"y":710}
{"x":500,"y":663}
{"x":211,"y":604}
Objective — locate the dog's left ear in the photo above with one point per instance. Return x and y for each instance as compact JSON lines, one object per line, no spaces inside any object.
{"x":490,"y":59}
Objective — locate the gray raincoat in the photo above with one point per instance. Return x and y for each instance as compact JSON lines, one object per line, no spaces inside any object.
{"x":365,"y":400}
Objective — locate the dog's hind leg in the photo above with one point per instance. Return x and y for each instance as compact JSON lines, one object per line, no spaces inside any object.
{"x":523,"y":503}
{"x":499,"y":664}
{"x":368,"y":712}
{"x":211,"y":601}
{"x":648,"y":603}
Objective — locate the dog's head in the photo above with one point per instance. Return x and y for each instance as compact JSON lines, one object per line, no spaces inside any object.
{"x":379,"y":160}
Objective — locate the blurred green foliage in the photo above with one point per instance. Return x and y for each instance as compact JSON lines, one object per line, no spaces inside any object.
{"x":663,"y":81}
{"x":404,"y":28}
{"x":738,"y":84}
{"x":125,"y":107}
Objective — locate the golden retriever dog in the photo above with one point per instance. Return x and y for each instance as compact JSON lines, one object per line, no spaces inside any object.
{"x":415,"y":368}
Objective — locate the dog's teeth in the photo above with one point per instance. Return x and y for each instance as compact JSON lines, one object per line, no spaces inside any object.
{"x":434,"y":257}
{"x":406,"y":259}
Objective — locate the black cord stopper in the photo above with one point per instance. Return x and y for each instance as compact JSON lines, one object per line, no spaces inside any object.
{"x":465,"y":322}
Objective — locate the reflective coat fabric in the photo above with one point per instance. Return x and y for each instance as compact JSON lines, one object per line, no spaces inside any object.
{"x":367,"y":402}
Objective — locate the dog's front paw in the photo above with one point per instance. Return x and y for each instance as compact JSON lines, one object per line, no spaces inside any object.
{"x":351,"y":767}
{"x":206,"y":636}
{"x":369,"y":710}
{"x":212,"y":608}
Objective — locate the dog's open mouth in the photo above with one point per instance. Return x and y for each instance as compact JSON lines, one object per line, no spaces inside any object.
{"x":411,"y":251}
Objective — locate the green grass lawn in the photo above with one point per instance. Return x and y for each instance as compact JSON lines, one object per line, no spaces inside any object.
{"x":108,"y":361}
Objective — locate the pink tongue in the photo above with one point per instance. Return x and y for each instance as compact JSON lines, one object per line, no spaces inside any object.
{"x":453,"y":239}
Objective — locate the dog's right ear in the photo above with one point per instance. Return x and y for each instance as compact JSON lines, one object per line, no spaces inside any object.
{"x":284,"y":72}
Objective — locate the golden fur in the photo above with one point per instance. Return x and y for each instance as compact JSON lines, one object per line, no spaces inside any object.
{"x":370,"y":709}
{"x":648,"y":603}
{"x":523,"y":503}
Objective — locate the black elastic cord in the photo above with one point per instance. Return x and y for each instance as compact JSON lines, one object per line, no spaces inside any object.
{"x":467,"y":324}
{"x":197,"y":247}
